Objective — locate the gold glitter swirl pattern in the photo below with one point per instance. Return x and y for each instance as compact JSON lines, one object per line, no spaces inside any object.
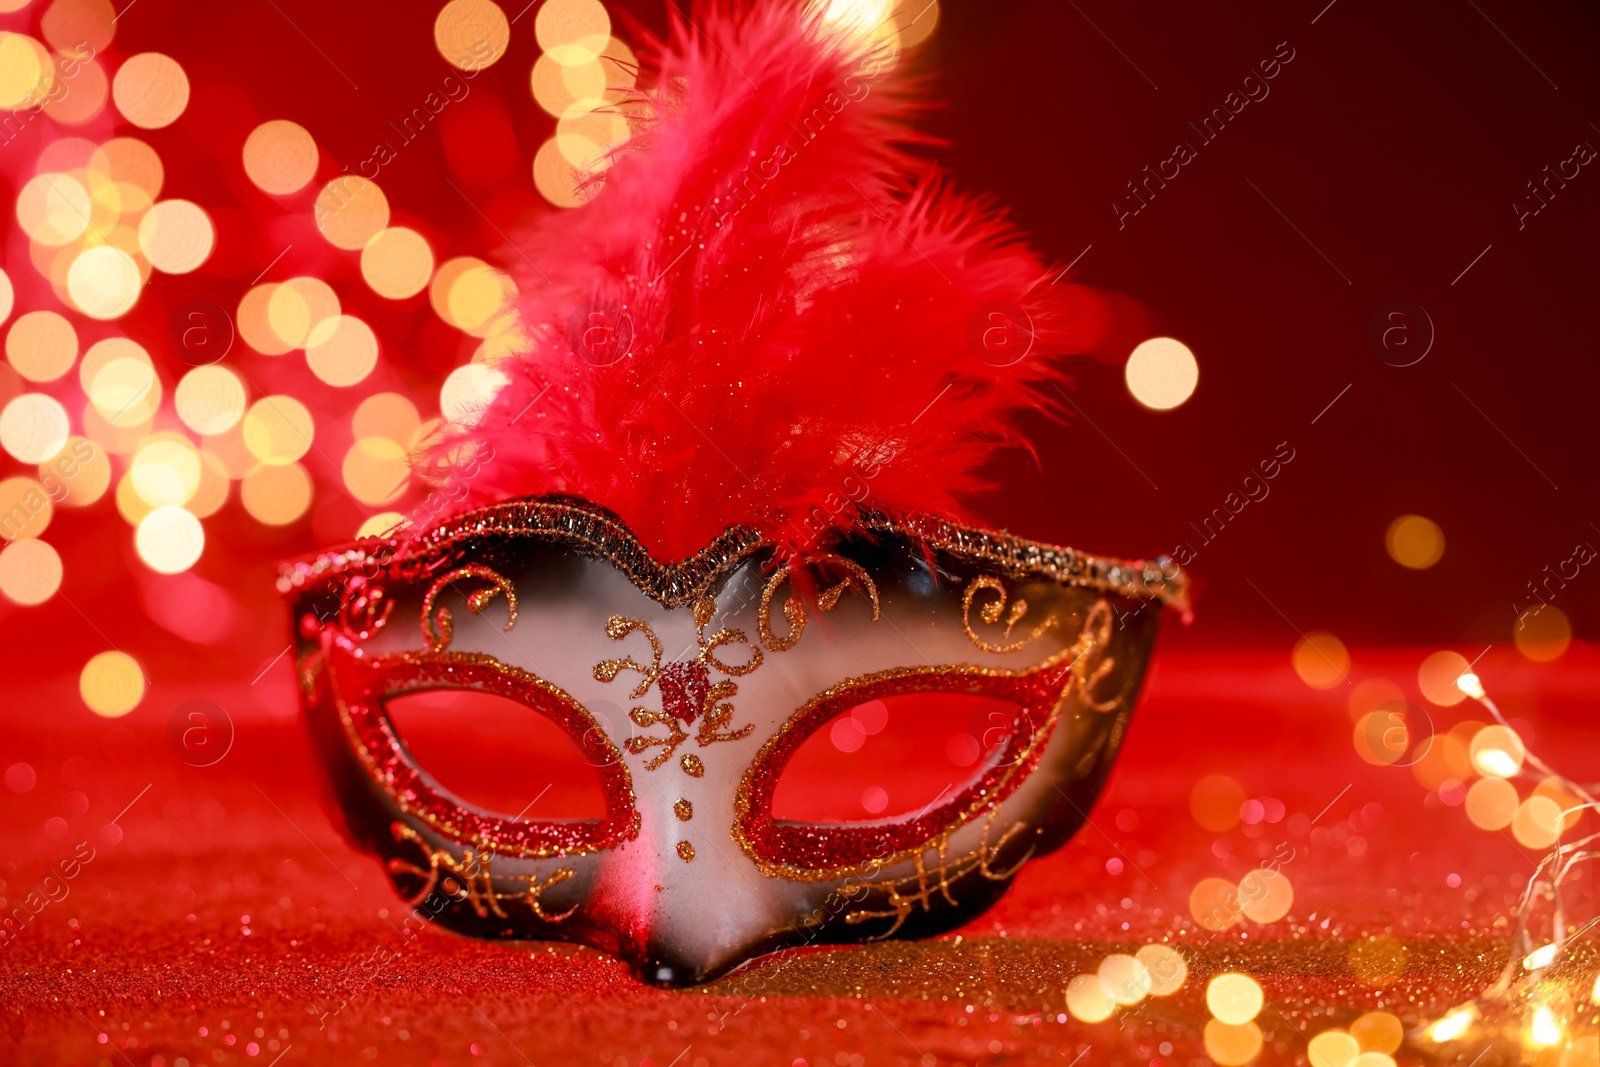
{"x":439,"y":640}
{"x":990,"y":613}
{"x":469,"y":879}
{"x":794,"y":610}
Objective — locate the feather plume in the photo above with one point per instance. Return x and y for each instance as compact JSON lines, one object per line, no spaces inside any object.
{"x":796,"y":293}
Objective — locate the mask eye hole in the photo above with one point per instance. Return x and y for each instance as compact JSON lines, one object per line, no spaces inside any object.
{"x":893,"y":757}
{"x":497,"y":755}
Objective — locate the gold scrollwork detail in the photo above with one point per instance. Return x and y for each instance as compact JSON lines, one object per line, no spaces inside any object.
{"x":919,"y":888}
{"x":1090,"y":663}
{"x":794,"y":610}
{"x":688,"y":695}
{"x":990,"y":613}
{"x":364,"y":609}
{"x":439,"y":639}
{"x":469,"y":879}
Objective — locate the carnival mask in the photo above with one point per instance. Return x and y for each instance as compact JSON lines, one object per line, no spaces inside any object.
{"x":712,"y":522}
{"x":727,"y":663}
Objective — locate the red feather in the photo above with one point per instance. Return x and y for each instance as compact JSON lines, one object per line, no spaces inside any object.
{"x":799,"y":290}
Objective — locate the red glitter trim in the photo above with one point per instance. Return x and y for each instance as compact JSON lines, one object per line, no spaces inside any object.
{"x":361,"y":682}
{"x":809,"y":847}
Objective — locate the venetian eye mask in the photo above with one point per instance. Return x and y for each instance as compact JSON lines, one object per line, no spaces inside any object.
{"x":689,"y":689}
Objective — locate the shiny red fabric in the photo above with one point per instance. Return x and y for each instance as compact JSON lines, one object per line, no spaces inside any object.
{"x":220,"y":919}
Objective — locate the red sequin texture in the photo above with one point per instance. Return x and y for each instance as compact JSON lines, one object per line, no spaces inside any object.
{"x":814,"y":847}
{"x":362,"y":682}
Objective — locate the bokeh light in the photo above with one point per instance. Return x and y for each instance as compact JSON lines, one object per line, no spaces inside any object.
{"x":397,"y":263}
{"x":350,"y":211}
{"x":41,"y":346}
{"x":91,"y":88}
{"x":254,"y":324}
{"x":1415,"y":542}
{"x":111,"y":684}
{"x":212,"y":492}
{"x":469,"y":294}
{"x":471,"y":34}
{"x":33,"y":427}
{"x":30,"y":571}
{"x":210,"y":399}
{"x":170,"y":539}
{"x":1162,"y":373}
{"x":376,"y":470}
{"x":1542,"y":633}
{"x":79,"y":475}
{"x":151,"y":90}
{"x":1214,"y":903}
{"x":344,"y":355}
{"x":555,"y":177}
{"x":128,"y":161}
{"x":1370,"y":694}
{"x":176,"y":236}
{"x":572,"y":31}
{"x":1234,"y":998}
{"x":8,"y":296}
{"x":276,"y":494}
{"x":1125,"y":979}
{"x":104,"y":282}
{"x":1167,"y":968}
{"x":584,"y":137}
{"x":123,"y":385}
{"x":53,"y":209}
{"x":558,"y":88}
{"x":1214,"y":802}
{"x":165,"y":470}
{"x":1265,"y":895}
{"x":1436,"y":677}
{"x":1537,"y":823}
{"x":23,"y":65}
{"x":278,"y":430}
{"x":25,"y":508}
{"x":1088,"y":1000}
{"x":1332,"y":1048}
{"x":1497,"y":752}
{"x":468,"y":391}
{"x":1491,"y":803}
{"x":280,"y":157}
{"x":380,"y":524}
{"x":1321,"y":660}
{"x":390,"y":415}
{"x":1229,"y":1045}
{"x":302,"y":311}
{"x":1378,"y":1031}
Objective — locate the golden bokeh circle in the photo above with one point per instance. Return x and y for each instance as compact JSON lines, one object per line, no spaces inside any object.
{"x":1214,"y":903}
{"x":54,"y":209}
{"x":30,"y":571}
{"x":104,"y":282}
{"x":1491,"y":803}
{"x":1161,"y":373}
{"x":1415,"y":542}
{"x":170,"y":539}
{"x":390,"y":415}
{"x":86,"y":99}
{"x":79,"y":475}
{"x":278,"y":430}
{"x":280,"y":157}
{"x":176,"y":236}
{"x":165,"y":470}
{"x":111,"y":684}
{"x":151,"y":90}
{"x":33,"y":427}
{"x":555,"y":177}
{"x":1125,"y":978}
{"x":1321,"y":660}
{"x":1436,"y":677}
{"x":1088,"y":1000}
{"x":1378,"y":1031}
{"x":8,"y":296}
{"x":344,"y":355}
{"x":210,"y":399}
{"x":397,"y":263}
{"x":1265,"y":895}
{"x":1214,"y":802}
{"x":380,"y":525}
{"x":125,"y":389}
{"x":1332,"y":1048}
{"x":24,"y":63}
{"x":302,"y":311}
{"x":130,"y":161}
{"x":376,"y":470}
{"x":212,"y":492}
{"x":350,"y":211}
{"x":26,"y":506}
{"x":254,"y":323}
{"x":1232,"y":1045}
{"x":1167,"y":968}
{"x":1497,"y":752}
{"x":1234,"y":998}
{"x":572,"y":31}
{"x":276,"y":495}
{"x":79,"y":24}
{"x":471,"y":34}
{"x":1537,"y":823}
{"x":41,"y":346}
{"x":468,"y":391}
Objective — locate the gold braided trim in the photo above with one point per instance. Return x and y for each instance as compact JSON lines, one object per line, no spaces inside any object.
{"x":595,"y":529}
